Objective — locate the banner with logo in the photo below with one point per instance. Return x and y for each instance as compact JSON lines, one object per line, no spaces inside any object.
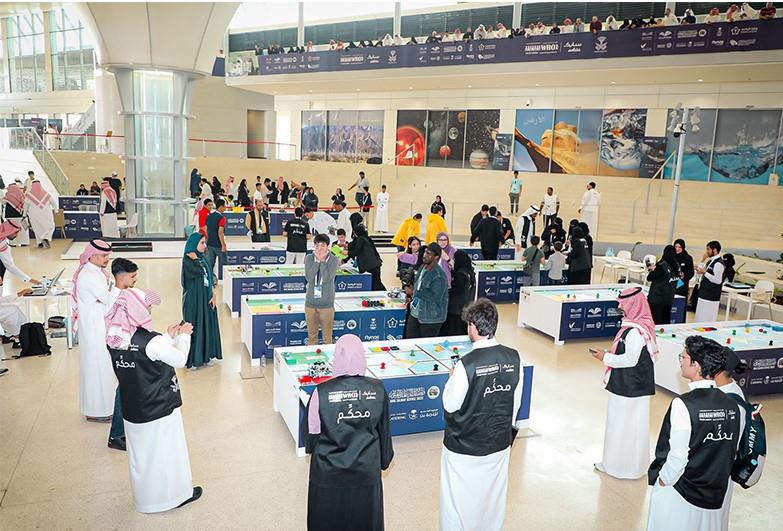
{"x":740,"y":36}
{"x":579,"y":320}
{"x":499,"y":286}
{"x":82,"y":226}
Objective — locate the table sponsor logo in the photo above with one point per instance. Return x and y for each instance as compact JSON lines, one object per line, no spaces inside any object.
{"x":281,"y":259}
{"x":339,"y":324}
{"x":594,"y":312}
{"x":508,"y":279}
{"x":575,"y":313}
{"x":351,"y":324}
{"x":780,"y":363}
{"x":392,"y":323}
{"x":373,"y":323}
{"x":294,"y":287}
{"x":408,"y":394}
{"x":574,"y":326}
{"x":269,"y":285}
{"x":298,"y":326}
{"x":270,"y":259}
{"x":433,"y":392}
{"x":428,"y":413}
{"x":246,"y":259}
{"x":764,"y":364}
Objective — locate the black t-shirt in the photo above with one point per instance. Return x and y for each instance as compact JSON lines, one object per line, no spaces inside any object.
{"x":297,"y":230}
{"x":215,"y":220}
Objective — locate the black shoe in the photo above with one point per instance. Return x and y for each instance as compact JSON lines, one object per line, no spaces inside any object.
{"x":117,"y":443}
{"x":3,"y":371}
{"x":197,"y":491}
{"x":7,"y":339}
{"x":16,"y":344}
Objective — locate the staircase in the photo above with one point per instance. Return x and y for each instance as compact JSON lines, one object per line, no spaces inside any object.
{"x":85,"y":125}
{"x":382,"y":240}
{"x":24,"y":150}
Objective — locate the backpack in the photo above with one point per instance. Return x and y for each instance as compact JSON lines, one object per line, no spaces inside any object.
{"x":32,"y":337}
{"x":752,"y":450}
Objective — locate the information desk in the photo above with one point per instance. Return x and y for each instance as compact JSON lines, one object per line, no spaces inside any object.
{"x":82,"y":226}
{"x":269,"y":321}
{"x":758,"y":342}
{"x":504,"y":253}
{"x":578,"y":312}
{"x":498,"y":280}
{"x":284,"y":279}
{"x":413,"y":371}
{"x":235,"y":221}
{"x":254,"y":254}
{"x":73,"y":202}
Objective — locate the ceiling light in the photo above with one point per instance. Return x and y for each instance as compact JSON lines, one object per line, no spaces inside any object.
{"x":410,"y":88}
{"x":612,"y":82}
{"x":538,"y":85}
{"x":700,"y":80}
{"x":470,"y":86}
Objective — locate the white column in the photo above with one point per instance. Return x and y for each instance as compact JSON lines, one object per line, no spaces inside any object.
{"x":397,"y":18}
{"x":671,"y":5}
{"x":300,"y":34}
{"x":516,"y":15}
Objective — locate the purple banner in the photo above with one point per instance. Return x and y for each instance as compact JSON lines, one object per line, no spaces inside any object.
{"x":751,"y":35}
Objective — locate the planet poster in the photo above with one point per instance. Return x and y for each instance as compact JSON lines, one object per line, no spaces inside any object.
{"x":621,"y":147}
{"x":530,"y":127}
{"x":313,"y":135}
{"x":411,"y":138}
{"x":369,"y":137}
{"x":341,"y":136}
{"x":480,"y":136}
{"x":574,"y":141}
{"x":698,"y":145}
{"x":501,"y":158}
{"x":445,"y":138}
{"x":745,"y":149}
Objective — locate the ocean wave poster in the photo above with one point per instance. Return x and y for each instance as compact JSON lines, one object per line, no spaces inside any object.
{"x":745,"y":146}
{"x":313,"y":135}
{"x":341,"y":136}
{"x":574,"y":140}
{"x":698,"y":145}
{"x":531,"y":151}
{"x":369,"y":137}
{"x":411,"y":138}
{"x":621,"y":147}
{"x":480,"y":136}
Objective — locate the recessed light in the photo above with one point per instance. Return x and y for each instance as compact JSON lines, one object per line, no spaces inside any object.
{"x":612,"y":82}
{"x":538,"y":84}
{"x":470,"y":86}
{"x":309,"y":91}
{"x":700,"y":81}
{"x":358,"y":90}
{"x":410,"y":88}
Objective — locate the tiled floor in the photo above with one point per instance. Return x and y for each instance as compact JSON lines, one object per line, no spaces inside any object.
{"x":56,"y":472}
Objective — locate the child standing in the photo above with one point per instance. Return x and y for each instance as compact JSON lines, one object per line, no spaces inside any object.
{"x":340,"y":247}
{"x":532,"y":257}
{"x":556,"y":263}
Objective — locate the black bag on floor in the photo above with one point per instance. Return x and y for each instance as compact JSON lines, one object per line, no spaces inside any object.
{"x":32,"y":337}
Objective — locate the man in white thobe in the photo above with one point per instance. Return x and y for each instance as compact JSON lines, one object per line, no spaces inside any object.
{"x":93,"y":296}
{"x":321,"y":223}
{"x":382,"y":211}
{"x":144,"y":363}
{"x":710,"y":285}
{"x":39,"y":206}
{"x":108,"y":211}
{"x":588,"y":210}
{"x":344,"y":220}
{"x":13,"y":210}
{"x":481,"y":401}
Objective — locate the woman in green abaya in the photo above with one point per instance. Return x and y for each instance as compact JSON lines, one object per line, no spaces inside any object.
{"x":199,"y":304}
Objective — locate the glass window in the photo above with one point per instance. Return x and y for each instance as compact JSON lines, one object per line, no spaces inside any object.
{"x":72,"y":52}
{"x":154,"y":137}
{"x":153,"y":91}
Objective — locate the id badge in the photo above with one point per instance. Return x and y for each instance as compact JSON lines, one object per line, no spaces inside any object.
{"x":206,"y":281}
{"x":317,"y":291}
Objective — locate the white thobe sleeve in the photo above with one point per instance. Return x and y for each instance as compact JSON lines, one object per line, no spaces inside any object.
{"x":172,"y":352}
{"x":634,"y":343}
{"x":8,"y":261}
{"x":97,"y":291}
{"x":585,"y":200}
{"x":102,"y":206}
{"x":8,"y":299}
{"x":716,"y":277}
{"x":456,"y":389}
{"x":679,"y":439}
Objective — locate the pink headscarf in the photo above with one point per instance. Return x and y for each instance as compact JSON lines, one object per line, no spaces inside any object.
{"x":90,"y":250}
{"x":349,"y":360}
{"x":38,"y":195}
{"x":637,"y":316}
{"x":15,"y":196}
{"x":130,"y":311}
{"x":280,"y":183}
{"x":7,"y":228}
{"x":111,"y":195}
{"x":229,"y":182}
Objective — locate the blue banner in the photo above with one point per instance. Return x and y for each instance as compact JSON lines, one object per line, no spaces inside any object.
{"x":82,"y":226}
{"x":751,"y":35}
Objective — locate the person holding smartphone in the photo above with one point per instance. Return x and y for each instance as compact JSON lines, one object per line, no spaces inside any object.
{"x":630,"y":380}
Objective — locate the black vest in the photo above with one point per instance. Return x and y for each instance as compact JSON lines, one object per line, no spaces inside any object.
{"x":715,"y":431}
{"x":348,"y":451}
{"x":631,"y":382}
{"x":11,"y":212}
{"x":253,"y":226}
{"x":482,"y":426}
{"x":149,"y":389}
{"x":582,"y":260}
{"x":662,"y":291}
{"x":708,"y":290}
{"x":526,"y":230}
{"x":108,"y":209}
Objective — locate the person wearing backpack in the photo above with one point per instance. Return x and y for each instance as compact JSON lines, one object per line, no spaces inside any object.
{"x":662,"y":276}
{"x":697,"y":446}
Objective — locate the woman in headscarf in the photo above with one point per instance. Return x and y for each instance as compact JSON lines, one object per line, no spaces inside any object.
{"x":447,"y":255}
{"x":630,"y":380}
{"x":195,"y":183}
{"x":685,"y":263}
{"x":461,"y":293}
{"x":14,"y":211}
{"x":579,"y":260}
{"x":217,"y":188}
{"x":40,"y":207}
{"x":589,"y":239}
{"x":350,"y":442}
{"x":363,"y":250}
{"x":199,"y":303}
{"x":663,"y":276}
{"x":243,"y":194}
{"x":230,"y":187}
{"x":108,"y":211}
{"x":280,"y":191}
{"x":151,"y":403}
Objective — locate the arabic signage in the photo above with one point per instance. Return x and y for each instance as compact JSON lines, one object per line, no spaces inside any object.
{"x":269,"y":285}
{"x":235,"y":222}
{"x":766,"y":371}
{"x":752,"y":35}
{"x":499,"y":285}
{"x":579,"y":320}
{"x":251,"y":257}
{"x":504,"y":253}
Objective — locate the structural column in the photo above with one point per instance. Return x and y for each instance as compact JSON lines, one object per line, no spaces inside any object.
{"x":300,"y":26}
{"x":397,"y":19}
{"x":516,"y":15}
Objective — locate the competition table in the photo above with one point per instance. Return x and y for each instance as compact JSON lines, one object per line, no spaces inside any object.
{"x":283,"y":279}
{"x":413,"y":371}
{"x":254,"y":254}
{"x":498,"y":280}
{"x":504,"y":253}
{"x":278,"y":217}
{"x":269,"y":321}
{"x":757,"y":342}
{"x":578,"y":312}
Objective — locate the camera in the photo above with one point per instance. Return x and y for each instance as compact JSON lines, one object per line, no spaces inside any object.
{"x":679,"y":129}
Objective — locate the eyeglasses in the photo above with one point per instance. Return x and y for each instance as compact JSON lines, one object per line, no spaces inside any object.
{"x":443,"y":239}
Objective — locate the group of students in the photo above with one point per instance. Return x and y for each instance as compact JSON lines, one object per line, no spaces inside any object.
{"x":697,"y":448}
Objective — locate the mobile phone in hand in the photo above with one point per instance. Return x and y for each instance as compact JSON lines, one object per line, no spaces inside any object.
{"x":593,"y":350}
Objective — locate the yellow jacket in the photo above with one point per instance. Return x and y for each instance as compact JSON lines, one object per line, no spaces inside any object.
{"x":435,"y":224}
{"x":410,"y":227}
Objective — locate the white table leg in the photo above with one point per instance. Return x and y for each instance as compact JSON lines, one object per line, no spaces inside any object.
{"x":728,"y":305}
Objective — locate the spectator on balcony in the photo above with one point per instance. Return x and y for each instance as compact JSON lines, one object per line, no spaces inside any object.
{"x":579,"y":26}
{"x":446,"y":37}
{"x":595,"y":25}
{"x":611,"y":23}
{"x":713,"y":16}
{"x":468,"y":35}
{"x":259,"y":50}
{"x":567,"y":27}
{"x":388,"y":40}
{"x":398,"y":40}
{"x":767,"y":12}
{"x":340,"y":46}
{"x":458,"y":35}
{"x":531,"y":30}
{"x":748,"y":13}
{"x":688,"y":17}
{"x":733,"y":13}
{"x":669,"y":18}
{"x":413,"y":41}
{"x":433,"y":38}
{"x":555,"y":29}
{"x":501,"y":32}
{"x":332,"y":45}
{"x":540,"y":28}
{"x":480,"y":33}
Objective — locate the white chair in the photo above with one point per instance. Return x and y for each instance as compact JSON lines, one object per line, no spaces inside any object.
{"x":132,"y":225}
{"x":626,"y":255}
{"x":761,"y":294}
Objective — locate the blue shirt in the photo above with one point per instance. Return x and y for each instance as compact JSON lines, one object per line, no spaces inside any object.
{"x":516,"y":185}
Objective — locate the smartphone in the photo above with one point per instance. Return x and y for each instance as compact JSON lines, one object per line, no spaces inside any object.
{"x":182,"y":322}
{"x":454,"y":360}
{"x":593,"y":350}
